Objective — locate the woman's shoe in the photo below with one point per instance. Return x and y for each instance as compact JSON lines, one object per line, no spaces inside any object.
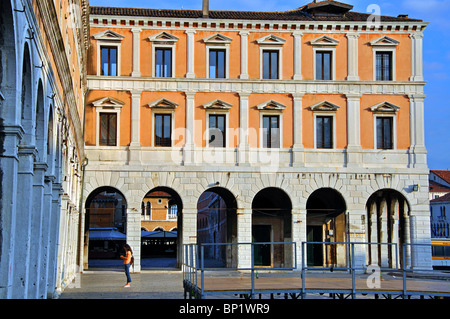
{"x":126,"y":286}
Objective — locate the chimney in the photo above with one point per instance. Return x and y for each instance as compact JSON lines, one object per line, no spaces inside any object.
{"x":205,"y":9}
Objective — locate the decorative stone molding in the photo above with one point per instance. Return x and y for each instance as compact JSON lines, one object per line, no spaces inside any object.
{"x":324,"y":41}
{"x":217,"y":104}
{"x":385,"y":41}
{"x":385,"y":107}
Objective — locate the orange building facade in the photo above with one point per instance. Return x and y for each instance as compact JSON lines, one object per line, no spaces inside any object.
{"x":320,"y":105}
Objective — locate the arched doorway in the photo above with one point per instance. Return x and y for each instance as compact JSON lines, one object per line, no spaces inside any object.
{"x":105,"y":227}
{"x":271,"y":223}
{"x":387,"y":218}
{"x":217,"y":223}
{"x":326,"y":222}
{"x":161,"y":217}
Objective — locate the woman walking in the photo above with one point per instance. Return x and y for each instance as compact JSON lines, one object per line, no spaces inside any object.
{"x":127,"y":261}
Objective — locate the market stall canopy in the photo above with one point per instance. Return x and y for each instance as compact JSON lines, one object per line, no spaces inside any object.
{"x":158,"y":234}
{"x":106,"y":233}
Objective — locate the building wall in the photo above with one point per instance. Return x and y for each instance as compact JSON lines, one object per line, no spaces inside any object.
{"x":43,"y":80}
{"x":354,"y":166}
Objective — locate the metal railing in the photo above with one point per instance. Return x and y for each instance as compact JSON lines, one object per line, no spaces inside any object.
{"x":352,"y":261}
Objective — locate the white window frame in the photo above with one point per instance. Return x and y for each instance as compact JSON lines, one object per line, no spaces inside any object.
{"x":385,"y":44}
{"x":163,"y":40}
{"x":218,"y":107}
{"x":324,"y":108}
{"x":218,"y":42}
{"x":107,"y":105}
{"x":271,"y":43}
{"x":333,"y":61}
{"x":385,"y":109}
{"x":163,"y":106}
{"x":270,"y":108}
{"x":108,"y":38}
{"x":393,"y":66}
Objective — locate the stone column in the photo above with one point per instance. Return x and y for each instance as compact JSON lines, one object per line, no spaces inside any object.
{"x":297,"y":149}
{"x":243,"y":129}
{"x":373,"y":224}
{"x":9,"y":161}
{"x":190,"y":128}
{"x":418,"y":152}
{"x":36,"y":230}
{"x":45,"y":238}
{"x":244,"y":235}
{"x":352,"y":56}
{"x":299,"y":232}
{"x":394,"y":220}
{"x":135,"y":145}
{"x":244,"y":54}
{"x":22,"y":238}
{"x":383,"y":225}
{"x":190,"y":54}
{"x":416,"y":56}
{"x":134,"y":236}
{"x":136,"y":52}
{"x":55,"y":217}
{"x":297,"y":55}
{"x":354,"y":156}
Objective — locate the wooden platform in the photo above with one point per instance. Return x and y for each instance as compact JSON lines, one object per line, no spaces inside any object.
{"x":224,"y":285}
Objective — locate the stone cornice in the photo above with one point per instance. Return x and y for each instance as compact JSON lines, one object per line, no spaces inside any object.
{"x":162,"y":23}
{"x":256,"y":86}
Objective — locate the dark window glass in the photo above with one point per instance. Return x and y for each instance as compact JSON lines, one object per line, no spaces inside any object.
{"x":384,"y":66}
{"x":109,"y":61}
{"x":163,"y":130}
{"x":323,"y":65}
{"x":384,"y":133}
{"x":270,"y":64}
{"x":324,"y":131}
{"x":217,"y":130}
{"x":217,"y":64}
{"x":108,"y":129}
{"x":271,"y":131}
{"x":163,"y":63}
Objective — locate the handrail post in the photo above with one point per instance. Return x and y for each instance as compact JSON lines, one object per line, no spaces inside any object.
{"x":303,"y":270}
{"x":352,"y":245}
{"x":202,"y":269}
{"x":253,"y":270}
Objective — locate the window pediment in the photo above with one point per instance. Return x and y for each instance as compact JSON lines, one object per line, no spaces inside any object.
{"x":217,"y":39}
{"x":271,"y":105}
{"x":163,"y":104}
{"x":163,"y":37}
{"x":108,"y":102}
{"x":271,"y":40}
{"x":324,"y":41}
{"x":385,"y":107}
{"x":108,"y":35}
{"x":217,"y":104}
{"x":384,"y":41}
{"x":324,"y":106}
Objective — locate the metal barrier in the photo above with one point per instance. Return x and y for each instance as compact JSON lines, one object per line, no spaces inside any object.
{"x":356,"y":254}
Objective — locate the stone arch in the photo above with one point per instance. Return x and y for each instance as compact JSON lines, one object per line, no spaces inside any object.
{"x":272,"y":222}
{"x":39,"y":127}
{"x":388,"y":212}
{"x":326,"y":222}
{"x":217,"y":224}
{"x":166,"y":213}
{"x":105,"y":207}
{"x":26,"y":113}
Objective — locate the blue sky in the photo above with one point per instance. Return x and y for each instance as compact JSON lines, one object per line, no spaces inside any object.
{"x":436,"y":51}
